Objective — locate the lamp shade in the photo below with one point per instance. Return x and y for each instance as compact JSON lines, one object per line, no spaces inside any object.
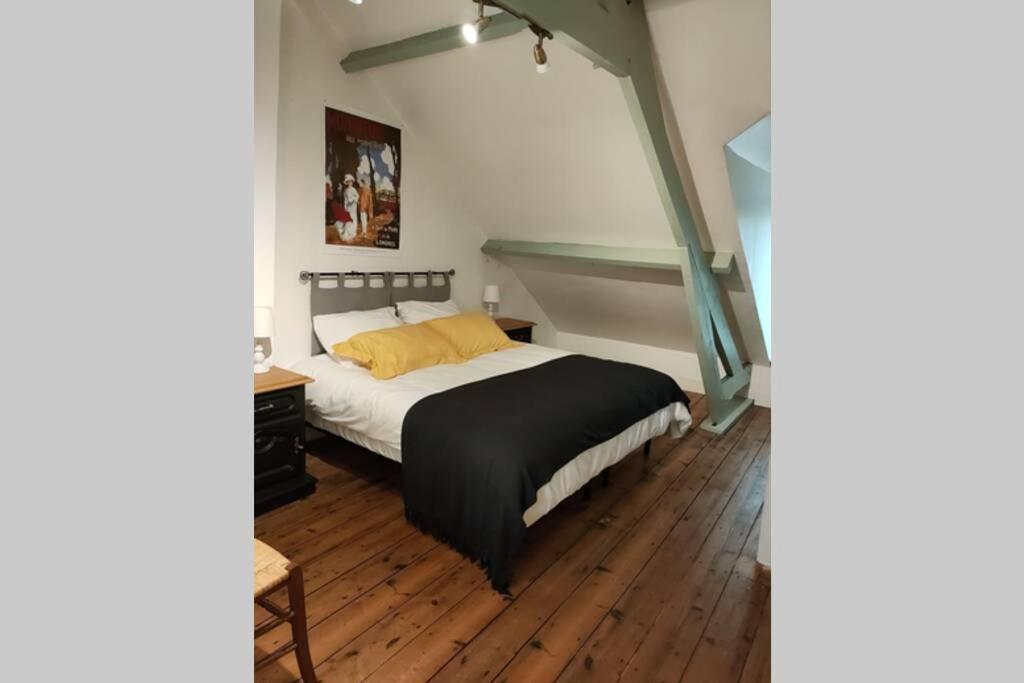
{"x":263,"y":322}
{"x":491,"y":294}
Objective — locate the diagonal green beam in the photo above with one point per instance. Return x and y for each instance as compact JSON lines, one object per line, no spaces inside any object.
{"x":658,"y":258}
{"x":644,"y":102}
{"x":441,"y":40}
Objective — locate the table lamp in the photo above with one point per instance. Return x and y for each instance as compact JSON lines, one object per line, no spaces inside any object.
{"x":263,"y":328}
{"x":491,"y":297}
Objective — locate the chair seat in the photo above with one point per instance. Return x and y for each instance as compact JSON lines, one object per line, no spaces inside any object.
{"x":270,"y":568}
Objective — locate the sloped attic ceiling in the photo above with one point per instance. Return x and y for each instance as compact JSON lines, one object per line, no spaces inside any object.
{"x":555,"y":157}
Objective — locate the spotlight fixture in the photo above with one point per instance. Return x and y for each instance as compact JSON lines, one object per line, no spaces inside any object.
{"x":540,"y":56}
{"x":471,"y":32}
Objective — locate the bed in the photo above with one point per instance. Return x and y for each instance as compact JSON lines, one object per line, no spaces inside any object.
{"x":346,"y":400}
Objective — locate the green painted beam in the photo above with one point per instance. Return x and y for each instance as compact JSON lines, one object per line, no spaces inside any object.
{"x":441,"y":40}
{"x":732,"y":385}
{"x":723,"y":262}
{"x":636,"y":257}
{"x":731,"y":411}
{"x":723,"y":406}
{"x":660,"y":258}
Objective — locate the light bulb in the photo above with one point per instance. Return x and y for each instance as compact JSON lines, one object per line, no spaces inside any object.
{"x":471,"y":32}
{"x":356,"y":2}
{"x":542,"y":68}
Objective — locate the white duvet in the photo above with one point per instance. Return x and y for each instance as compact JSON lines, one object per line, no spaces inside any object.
{"x":346,"y":400}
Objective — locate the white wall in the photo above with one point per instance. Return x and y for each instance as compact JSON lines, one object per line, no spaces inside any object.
{"x":267,"y":31}
{"x":437,"y":232}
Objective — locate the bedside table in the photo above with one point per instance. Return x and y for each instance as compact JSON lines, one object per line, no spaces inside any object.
{"x":279,"y":441}
{"x":517,"y":330}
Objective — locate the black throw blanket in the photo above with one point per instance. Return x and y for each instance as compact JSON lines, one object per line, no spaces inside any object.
{"x":474,"y":457}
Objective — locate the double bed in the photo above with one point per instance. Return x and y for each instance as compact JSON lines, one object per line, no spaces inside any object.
{"x":346,"y":400}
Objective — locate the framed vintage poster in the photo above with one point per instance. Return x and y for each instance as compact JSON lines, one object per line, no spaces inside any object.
{"x":362,"y":180}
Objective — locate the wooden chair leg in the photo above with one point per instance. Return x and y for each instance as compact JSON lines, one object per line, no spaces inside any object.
{"x":297,"y":604}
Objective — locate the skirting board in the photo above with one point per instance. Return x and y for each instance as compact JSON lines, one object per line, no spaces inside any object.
{"x":682,"y":366}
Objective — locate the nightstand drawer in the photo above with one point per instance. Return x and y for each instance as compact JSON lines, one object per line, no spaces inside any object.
{"x":278,"y":404}
{"x":278,"y":451}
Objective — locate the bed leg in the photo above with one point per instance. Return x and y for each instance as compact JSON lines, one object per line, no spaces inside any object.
{"x":586,"y":491}
{"x":606,"y":477}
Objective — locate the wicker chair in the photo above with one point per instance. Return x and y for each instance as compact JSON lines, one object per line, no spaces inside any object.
{"x":271,"y":571}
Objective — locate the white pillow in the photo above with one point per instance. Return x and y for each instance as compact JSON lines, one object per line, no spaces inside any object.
{"x":336,"y":328}
{"x":413,"y":312}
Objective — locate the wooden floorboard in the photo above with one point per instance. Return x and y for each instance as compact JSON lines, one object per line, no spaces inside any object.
{"x":757,"y":668}
{"x":652,"y":578}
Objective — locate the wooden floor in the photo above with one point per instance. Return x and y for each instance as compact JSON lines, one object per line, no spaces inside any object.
{"x":652,"y":579}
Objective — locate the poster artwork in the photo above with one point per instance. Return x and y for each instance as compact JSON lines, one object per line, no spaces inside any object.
{"x":362,"y":182}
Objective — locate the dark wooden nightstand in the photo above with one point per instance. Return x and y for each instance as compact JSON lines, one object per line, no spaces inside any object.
{"x":279,"y":445}
{"x":517,"y":330}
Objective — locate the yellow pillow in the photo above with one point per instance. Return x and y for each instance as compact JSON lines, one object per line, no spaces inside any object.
{"x":472,"y":334}
{"x":397,"y":350}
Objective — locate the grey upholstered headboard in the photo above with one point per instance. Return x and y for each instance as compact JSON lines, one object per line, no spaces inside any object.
{"x":366,"y":291}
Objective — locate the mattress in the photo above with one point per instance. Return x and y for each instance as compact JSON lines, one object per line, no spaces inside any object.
{"x":347,"y":401}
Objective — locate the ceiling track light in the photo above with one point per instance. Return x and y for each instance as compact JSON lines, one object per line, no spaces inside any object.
{"x":471,"y":32}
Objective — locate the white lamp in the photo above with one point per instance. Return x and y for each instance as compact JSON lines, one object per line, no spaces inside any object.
{"x":263,"y":327}
{"x":492,"y":297}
